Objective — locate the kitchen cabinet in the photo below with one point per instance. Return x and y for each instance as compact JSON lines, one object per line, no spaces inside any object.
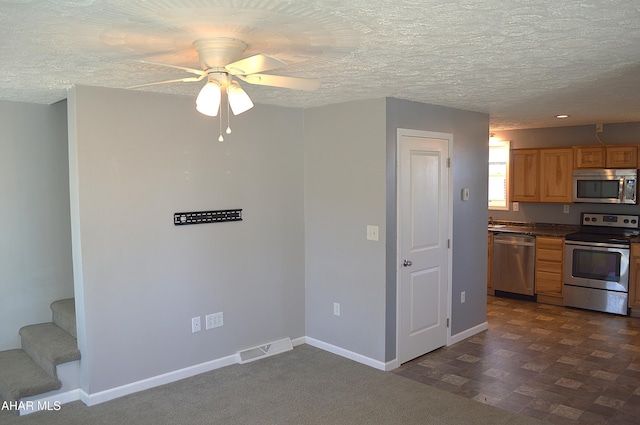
{"x":524,"y":175}
{"x":541,"y":175}
{"x":490,"y":256}
{"x":616,"y":156}
{"x":621,"y":157}
{"x":549,"y":266}
{"x":589,"y":157}
{"x":634,"y":276}
{"x":556,"y":172}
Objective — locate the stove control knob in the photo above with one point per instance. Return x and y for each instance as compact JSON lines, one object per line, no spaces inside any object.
{"x":626,"y":220}
{"x":594,"y":219}
{"x":633,"y":221}
{"x":587,"y":219}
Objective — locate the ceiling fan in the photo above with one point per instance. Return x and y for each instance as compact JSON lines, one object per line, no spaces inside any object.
{"x":221,"y":61}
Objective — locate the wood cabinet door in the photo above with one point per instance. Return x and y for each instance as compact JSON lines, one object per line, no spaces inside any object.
{"x":589,"y":157}
{"x":556,"y":172}
{"x":634,"y":276}
{"x":524,"y":175}
{"x":549,"y":283}
{"x":622,"y":157}
{"x":549,"y":266}
{"x":489,"y":264}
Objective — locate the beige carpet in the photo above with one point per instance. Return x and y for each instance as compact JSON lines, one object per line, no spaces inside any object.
{"x":303,"y":386}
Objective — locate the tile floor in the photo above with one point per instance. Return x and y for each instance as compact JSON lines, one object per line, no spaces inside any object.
{"x":565,"y":366}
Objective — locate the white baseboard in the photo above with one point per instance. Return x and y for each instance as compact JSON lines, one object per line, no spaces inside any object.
{"x":347,"y":354}
{"x":113,"y":393}
{"x":467,"y":333}
{"x":69,"y":375}
{"x":145,"y":384}
{"x":299,"y":341}
{"x":51,"y":403}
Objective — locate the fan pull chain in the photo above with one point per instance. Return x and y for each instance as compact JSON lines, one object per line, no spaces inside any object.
{"x":220,"y":139}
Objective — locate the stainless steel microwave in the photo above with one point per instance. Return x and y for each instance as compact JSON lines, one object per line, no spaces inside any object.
{"x":605,"y":186}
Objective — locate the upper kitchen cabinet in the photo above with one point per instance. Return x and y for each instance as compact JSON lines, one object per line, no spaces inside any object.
{"x":605,"y":157}
{"x":556,"y":173}
{"x":524,"y":175}
{"x":541,"y":175}
{"x":622,"y":157}
{"x":589,"y":157}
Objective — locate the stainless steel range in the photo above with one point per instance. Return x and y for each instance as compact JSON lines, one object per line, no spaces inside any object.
{"x":596,"y":266}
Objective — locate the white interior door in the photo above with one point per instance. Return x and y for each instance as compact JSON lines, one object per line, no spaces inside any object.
{"x":423,"y":235}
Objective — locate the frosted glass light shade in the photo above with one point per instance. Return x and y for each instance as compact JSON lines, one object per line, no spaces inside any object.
{"x":239,"y":100}
{"x":208,"y":100}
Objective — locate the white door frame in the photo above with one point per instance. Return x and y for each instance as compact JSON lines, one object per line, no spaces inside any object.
{"x":436,"y":135}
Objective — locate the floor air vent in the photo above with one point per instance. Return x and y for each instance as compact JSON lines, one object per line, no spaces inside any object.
{"x":266,"y":350}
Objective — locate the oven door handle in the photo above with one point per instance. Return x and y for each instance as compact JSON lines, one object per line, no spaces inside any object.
{"x":597,"y":244}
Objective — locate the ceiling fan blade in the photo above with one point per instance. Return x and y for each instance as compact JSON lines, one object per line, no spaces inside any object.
{"x":253,"y":64}
{"x":190,"y":70}
{"x":281,"y":81}
{"x":179,"y":80}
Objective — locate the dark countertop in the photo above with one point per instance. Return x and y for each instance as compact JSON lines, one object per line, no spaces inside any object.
{"x":533,"y":229}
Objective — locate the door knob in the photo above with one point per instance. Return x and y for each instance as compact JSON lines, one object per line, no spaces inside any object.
{"x":406,"y":263}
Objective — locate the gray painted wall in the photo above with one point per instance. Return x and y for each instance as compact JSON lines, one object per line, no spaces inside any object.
{"x":469,"y":164}
{"x":344,"y":192}
{"x":137,"y":158}
{"x":623,"y":133}
{"x":35,"y":238}
{"x":349,"y":156}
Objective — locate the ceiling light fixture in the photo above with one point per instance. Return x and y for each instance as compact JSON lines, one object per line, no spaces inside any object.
{"x":221,"y":59}
{"x":238,"y":98}
{"x":562,"y":116}
{"x":209,"y":100}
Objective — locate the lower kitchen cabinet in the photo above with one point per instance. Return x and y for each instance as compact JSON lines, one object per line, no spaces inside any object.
{"x":634,"y":276}
{"x":489,"y":288}
{"x":549,"y":264}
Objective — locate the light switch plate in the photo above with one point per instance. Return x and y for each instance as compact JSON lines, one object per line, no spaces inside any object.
{"x":372,"y":232}
{"x":465,"y":194}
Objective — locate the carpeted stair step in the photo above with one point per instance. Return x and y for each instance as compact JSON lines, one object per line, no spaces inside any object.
{"x":49,"y":345}
{"x":64,"y":315}
{"x":21,"y":377}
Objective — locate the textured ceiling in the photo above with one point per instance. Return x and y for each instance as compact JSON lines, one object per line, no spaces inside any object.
{"x":520,"y":61}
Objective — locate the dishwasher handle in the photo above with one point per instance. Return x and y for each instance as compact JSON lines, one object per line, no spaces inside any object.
{"x":520,"y":240}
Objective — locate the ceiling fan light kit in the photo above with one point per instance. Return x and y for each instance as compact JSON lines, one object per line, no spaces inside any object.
{"x":238,"y":99}
{"x":221,"y":60}
{"x":208,"y":100}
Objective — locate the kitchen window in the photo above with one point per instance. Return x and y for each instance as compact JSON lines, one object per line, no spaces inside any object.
{"x":498,"y":174}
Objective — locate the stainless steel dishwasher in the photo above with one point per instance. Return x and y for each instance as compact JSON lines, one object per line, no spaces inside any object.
{"x":513,"y":265}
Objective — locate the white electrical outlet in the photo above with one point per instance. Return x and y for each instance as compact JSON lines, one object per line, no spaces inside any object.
{"x":462,"y":297}
{"x":214,"y":320}
{"x":336,"y":309}
{"x":195,"y":324}
{"x":565,"y":209}
{"x":516,"y":206}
